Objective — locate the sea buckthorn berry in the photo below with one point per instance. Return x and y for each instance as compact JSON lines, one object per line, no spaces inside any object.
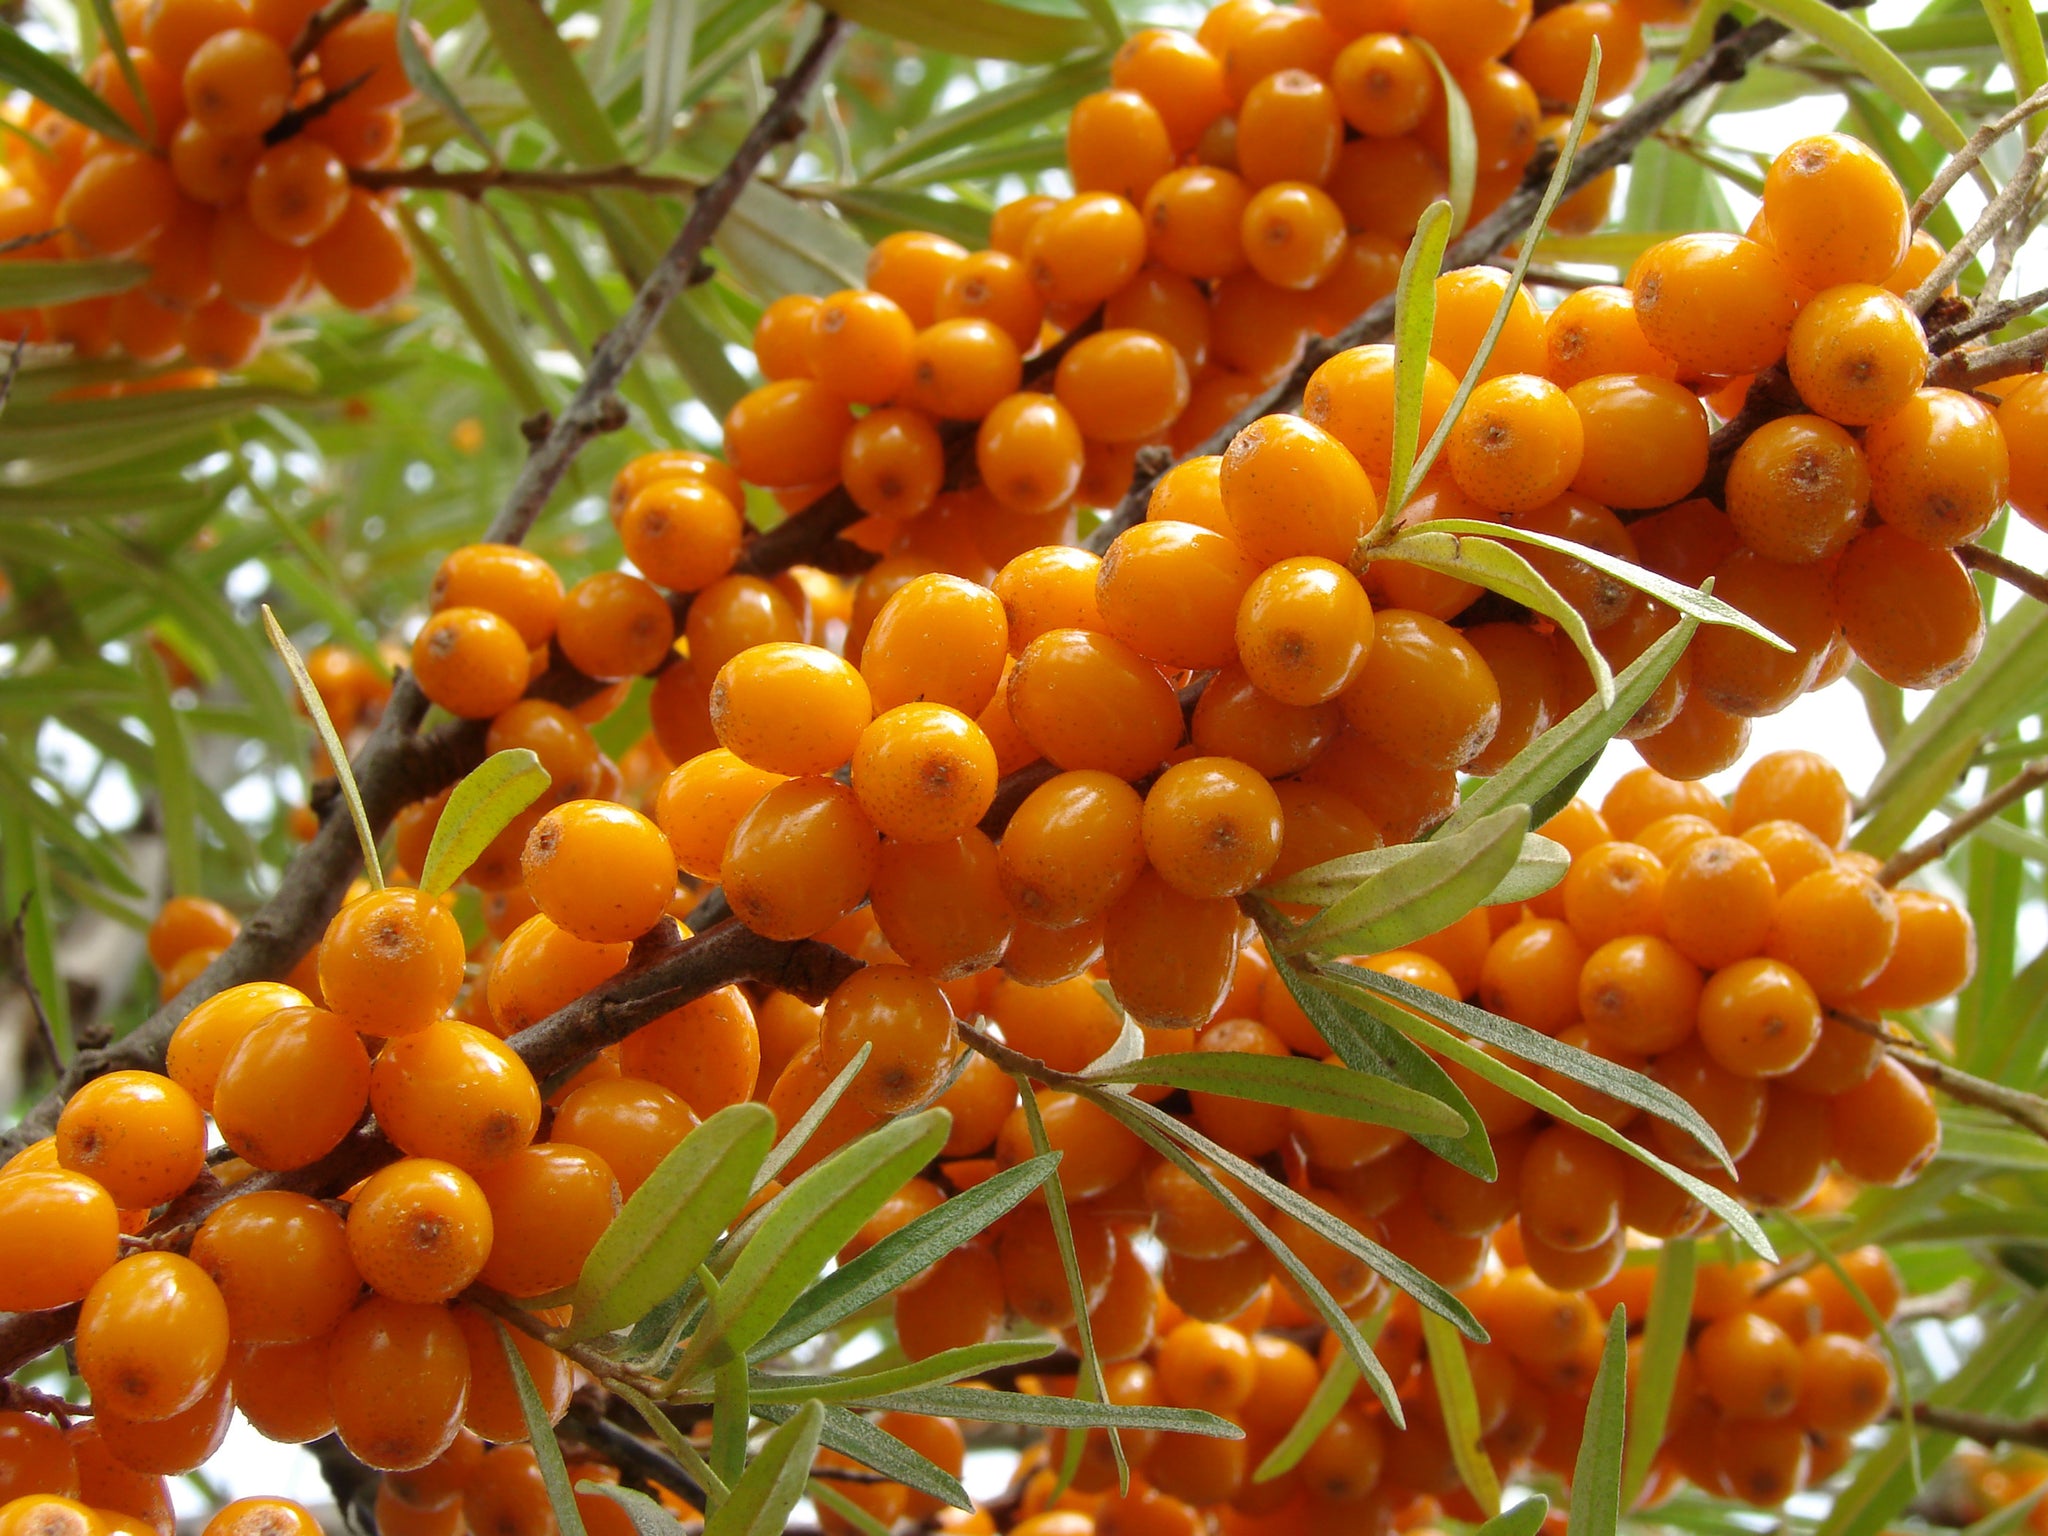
{"x":911,"y":267}
{"x":1066,"y":1025}
{"x":1097,"y":1153}
{"x":1749,"y":1366}
{"x":1556,"y":51}
{"x":614,"y":626}
{"x":1797,"y":786}
{"x":1171,"y":591}
{"x":1741,"y":675}
{"x":1082,"y":250}
{"x":1288,"y":129}
{"x":1293,"y":234}
{"x":1117,"y":142}
{"x":550,"y":1203}
{"x":1639,"y":994}
{"x":1856,"y":354}
{"x":800,"y":860}
{"x":137,"y":1134}
{"x":1424,"y":694}
{"x":1467,"y":300}
{"x":1531,"y":975}
{"x":1072,"y":847}
{"x":119,"y":201}
{"x":452,"y":1091}
{"x":1784,"y":1168}
{"x":707,"y":1052}
{"x":1399,"y":798}
{"x":910,"y":1025}
{"x":1256,"y":329}
{"x":1290,"y":488}
{"x":787,"y":433}
{"x":50,"y":1514}
{"x":1303,"y":630}
{"x":1845,"y":1384}
{"x":859,"y":346}
{"x":298,"y":190}
{"x":941,"y":906}
{"x":1035,"y":1282}
{"x":1719,"y":896}
{"x":419,"y":1230}
{"x":1352,"y":398}
{"x":2023,"y":419}
{"x":939,"y":639}
{"x":1385,"y":85}
{"x":1049,"y":587}
{"x":682,"y":533}
{"x":1087,"y":700}
{"x":59,"y":1232}
{"x":1169,"y":955}
{"x":1368,"y":270}
{"x":470,"y":662}
{"x":1612,"y":890}
{"x":515,"y":584}
{"x":1280,"y":37}
{"x":1507,"y":122}
{"x":1527,"y":670}
{"x":364,"y":262}
{"x":152,"y":1337}
{"x":782,"y":341}
{"x":1180,"y":78}
{"x":1933,"y":958}
{"x":1236,"y":719}
{"x":257,"y":272}
{"x":282,"y":1264}
{"x":1763,"y":1464}
{"x":34,"y":1458}
{"x":1518,"y":443}
{"x":701,"y":801}
{"x":600,"y":871}
{"x":1029,"y":453}
{"x":399,"y":1378}
{"x":1836,"y":212}
{"x":1758,"y":1018}
{"x":994,"y":291}
{"x":540,"y":969}
{"x":1603,"y":601}
{"x":1797,"y":489}
{"x":493,"y":1411}
{"x":186,"y":923}
{"x":281,"y":1389}
{"x":732,"y":614}
{"x":1466,"y":32}
{"x":1732,"y":1106}
{"x":1910,"y":613}
{"x":1211,"y":827}
{"x":1192,"y":221}
{"x":1885,"y":1129}
{"x":980,"y":1101}
{"x":391,"y":961}
{"x":1122,"y":386}
{"x":1646,"y":440}
{"x":1571,"y":1189}
{"x":789,"y":709}
{"x":1206,"y":1366}
{"x":1594,"y":332}
{"x":563,"y":744}
{"x":924,"y":773}
{"x":1939,"y":467}
{"x":1715,"y":303}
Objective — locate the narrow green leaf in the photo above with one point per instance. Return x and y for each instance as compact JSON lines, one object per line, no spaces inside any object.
{"x":419,"y":69}
{"x":1459,"y":1401}
{"x":1332,"y":1392}
{"x":2019,"y":39}
{"x":486,"y":802}
{"x":1461,"y":140}
{"x":1664,"y":1340}
{"x":547,"y":1451}
{"x":27,"y":67}
{"x":1596,"y":1478}
{"x":668,"y":45}
{"x":24,"y":284}
{"x":648,"y":1517}
{"x":1296,"y":1082}
{"x":761,"y":1501}
{"x":504,"y":351}
{"x":1572,"y":746}
{"x":1037,"y":1410}
{"x":669,"y":1226}
{"x":1438,"y":883}
{"x":875,"y":1448}
{"x":336,"y":752}
{"x":677,"y":1443}
{"x":1856,"y":45}
{"x":1539,"y":867}
{"x":942,"y":1369}
{"x":547,"y":72}
{"x":1490,"y":564}
{"x":884,"y":208}
{"x":1414,"y":329}
{"x":731,"y":1411}
{"x":25,"y":890}
{"x":975,"y":29}
{"x":793,"y":1140}
{"x":177,"y":787}
{"x":904,"y":1253}
{"x":777,"y":244}
{"x":828,"y":1497}
{"x":812,"y":1220}
{"x":1523,"y":1519}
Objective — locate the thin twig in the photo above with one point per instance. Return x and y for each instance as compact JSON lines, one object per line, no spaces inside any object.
{"x":2011,"y":572}
{"x":2026,"y":1110}
{"x":1724,"y":62}
{"x":474,"y":184}
{"x":1984,"y":1428}
{"x":1968,"y":369}
{"x":18,"y":932}
{"x":1967,"y":158}
{"x":1984,"y":318}
{"x":323,"y":22}
{"x":1998,"y":213}
{"x":1921,"y":854}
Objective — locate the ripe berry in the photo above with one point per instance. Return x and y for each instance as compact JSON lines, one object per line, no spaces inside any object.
{"x":1835,"y":211}
{"x":153,"y":1336}
{"x":398,"y":1375}
{"x":59,"y":1232}
{"x":391,"y":961}
{"x":419,"y":1230}
{"x":137,"y":1134}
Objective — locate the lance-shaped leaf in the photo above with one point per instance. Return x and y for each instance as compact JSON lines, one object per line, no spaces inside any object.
{"x":316,"y":709}
{"x":797,"y":1136}
{"x":665,"y":73}
{"x":1461,"y":140}
{"x":1414,"y":329}
{"x":1295,"y":1082}
{"x":761,"y":1501}
{"x":1039,"y":1410}
{"x":976,"y":29}
{"x":27,"y":67}
{"x":648,"y":1517}
{"x":904,"y":1254}
{"x":875,"y":1448}
{"x":1523,"y":1519}
{"x":988,"y":116}
{"x":547,"y":1451}
{"x":812,"y":1220}
{"x":940,"y":1370}
{"x":1664,"y":1339}
{"x":547,"y":72}
{"x":1571,"y":746}
{"x":1596,"y":1477}
{"x":420,"y":71}
{"x":25,"y":284}
{"x":1851,"y":40}
{"x":1539,"y":867}
{"x":1458,"y":1400}
{"x":485,"y":803}
{"x":669,"y":1226}
{"x":1435,"y":885}
{"x":1490,"y":564}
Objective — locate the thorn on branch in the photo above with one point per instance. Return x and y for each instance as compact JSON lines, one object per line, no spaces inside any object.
{"x":535,"y":428}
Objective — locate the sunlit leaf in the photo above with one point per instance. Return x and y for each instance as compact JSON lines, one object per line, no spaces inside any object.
{"x":484,"y":803}
{"x":761,"y":1501}
{"x":28,"y":68}
{"x":1596,"y":1478}
{"x":547,"y":1451}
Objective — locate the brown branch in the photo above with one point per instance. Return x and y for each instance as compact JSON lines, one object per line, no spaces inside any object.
{"x":323,"y":22}
{"x":1722,"y":63}
{"x":1966,"y":370}
{"x":2011,"y":572}
{"x":1984,"y":1428}
{"x":1921,"y":854}
{"x":1966,"y":159}
{"x":1997,"y":214}
{"x":1984,"y":318}
{"x":2026,"y":1110}
{"x":474,"y":184}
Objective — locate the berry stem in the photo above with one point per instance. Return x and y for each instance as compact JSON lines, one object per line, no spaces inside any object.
{"x":474,"y":184}
{"x":2027,"y":1110}
{"x":1968,"y":157}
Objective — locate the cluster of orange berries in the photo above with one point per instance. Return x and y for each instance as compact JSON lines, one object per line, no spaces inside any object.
{"x":55,"y":1482}
{"x":237,"y":195}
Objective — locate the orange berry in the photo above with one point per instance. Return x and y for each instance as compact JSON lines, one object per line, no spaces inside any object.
{"x":137,"y":1134}
{"x":1885,"y":1130}
{"x":1082,"y":250}
{"x":1293,"y":234}
{"x":911,"y":267}
{"x":1797,"y":489}
{"x":1117,"y":142}
{"x":1169,"y":955}
{"x":1029,"y":453}
{"x":1211,"y":827}
{"x":1910,"y":613}
{"x":701,"y":801}
{"x":398,"y":1375}
{"x":1180,"y":78}
{"x":860,"y":345}
{"x":1740,"y":675}
{"x":550,"y":1203}
{"x":1939,"y":468}
{"x":1646,"y":439}
{"x":599,"y":871}
{"x":787,"y":433}
{"x":152,"y":1337}
{"x":1424,"y":694}
{"x":1171,"y":591}
{"x":419,"y":1230}
{"x":924,"y":773}
{"x":1758,"y":1018}
{"x":1518,"y":444}
{"x":1715,"y":303}
{"x":682,"y":533}
{"x":1289,"y":488}
{"x":614,"y":626}
{"x":1289,"y":128}
{"x":470,"y":661}
{"x":1835,"y":211}
{"x":1856,"y":354}
{"x":1072,"y":847}
{"x":391,"y":961}
{"x":1749,"y":1366}
{"x":540,"y":969}
{"x":800,"y":860}
{"x":790,"y":709}
{"x":940,"y":640}
{"x":706,"y":1052}
{"x":365,"y":47}
{"x":452,"y":1091}
{"x":282,"y":1264}
{"x":1718,"y":900}
{"x":1087,"y":700}
{"x":1639,"y":994}
{"x":59,"y":1232}
{"x":118,"y":202}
